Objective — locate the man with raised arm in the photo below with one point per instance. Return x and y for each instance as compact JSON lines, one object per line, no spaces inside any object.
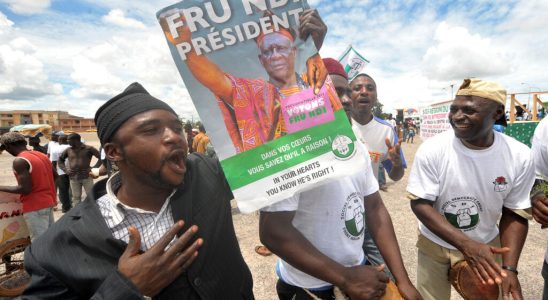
{"x":251,"y":108}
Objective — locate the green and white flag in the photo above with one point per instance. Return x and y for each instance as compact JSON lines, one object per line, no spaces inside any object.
{"x":353,"y":62}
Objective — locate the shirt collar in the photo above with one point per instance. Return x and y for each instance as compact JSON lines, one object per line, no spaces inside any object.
{"x":119,"y":209}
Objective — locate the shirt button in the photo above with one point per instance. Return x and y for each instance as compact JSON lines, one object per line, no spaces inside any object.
{"x":197,"y":281}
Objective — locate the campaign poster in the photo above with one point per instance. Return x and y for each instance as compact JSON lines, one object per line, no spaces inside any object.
{"x":434,"y":119}
{"x":263,"y":95}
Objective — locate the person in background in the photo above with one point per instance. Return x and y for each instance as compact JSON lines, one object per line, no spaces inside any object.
{"x":35,"y":183}
{"x":405,"y":129}
{"x":391,"y":120}
{"x":200,"y":140}
{"x":62,"y":182}
{"x":54,"y":142}
{"x":411,"y":134}
{"x":189,"y":136}
{"x":210,"y":151}
{"x":34,"y":142}
{"x":500,"y":125}
{"x":79,"y":157}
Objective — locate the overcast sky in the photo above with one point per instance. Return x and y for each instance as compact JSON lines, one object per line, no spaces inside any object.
{"x":75,"y":54}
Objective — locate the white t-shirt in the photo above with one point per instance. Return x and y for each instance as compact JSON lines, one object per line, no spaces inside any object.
{"x":373,"y":135}
{"x":51,"y":145}
{"x":470,"y":187}
{"x":332,"y":218}
{"x":540,"y":154}
{"x":56,"y":151}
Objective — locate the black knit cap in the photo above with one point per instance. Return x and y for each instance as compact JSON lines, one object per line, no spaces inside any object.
{"x":133,"y":100}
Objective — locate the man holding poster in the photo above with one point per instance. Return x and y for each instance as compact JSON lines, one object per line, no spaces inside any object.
{"x":318,"y":234}
{"x":252,"y":108}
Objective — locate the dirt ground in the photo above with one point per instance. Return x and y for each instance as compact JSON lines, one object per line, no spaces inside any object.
{"x":405,"y":225}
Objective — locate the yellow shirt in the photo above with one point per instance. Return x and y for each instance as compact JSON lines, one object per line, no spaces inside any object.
{"x":200,"y":142}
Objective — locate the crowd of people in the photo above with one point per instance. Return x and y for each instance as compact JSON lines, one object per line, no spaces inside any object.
{"x":161,"y":226}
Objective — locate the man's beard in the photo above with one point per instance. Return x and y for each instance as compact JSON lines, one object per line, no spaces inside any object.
{"x":157,"y":178}
{"x":154,"y":178}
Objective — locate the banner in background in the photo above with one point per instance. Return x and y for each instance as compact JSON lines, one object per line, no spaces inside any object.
{"x":277,"y":127}
{"x":434,"y":119}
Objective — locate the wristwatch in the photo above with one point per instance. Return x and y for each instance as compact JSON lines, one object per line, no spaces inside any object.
{"x":511,"y":269}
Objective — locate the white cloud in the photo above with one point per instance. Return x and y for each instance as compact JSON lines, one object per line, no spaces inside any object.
{"x":104,"y":70}
{"x":27,"y":7}
{"x":22,"y":75}
{"x":416,"y":52}
{"x":117,"y":17}
{"x":459,"y":54}
{"x":22,"y":44}
{"x":5,"y":24}
{"x":94,"y":79}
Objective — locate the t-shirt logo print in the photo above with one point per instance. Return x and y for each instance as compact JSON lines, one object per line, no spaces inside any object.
{"x":462,"y":213}
{"x":353,"y":214}
{"x":500,"y":184}
{"x":343,"y":147}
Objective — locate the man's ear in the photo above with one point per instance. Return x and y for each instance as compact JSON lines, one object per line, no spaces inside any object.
{"x":114,"y":152}
{"x":499,"y":112}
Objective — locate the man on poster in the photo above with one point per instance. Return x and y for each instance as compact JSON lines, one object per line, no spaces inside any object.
{"x":251,"y":108}
{"x":461,"y":183}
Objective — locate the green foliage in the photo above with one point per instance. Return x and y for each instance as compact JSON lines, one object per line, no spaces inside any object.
{"x":377,"y":111}
{"x":188,"y":125}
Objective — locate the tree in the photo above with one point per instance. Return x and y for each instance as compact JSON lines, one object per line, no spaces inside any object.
{"x":377,"y":110}
{"x":188,"y":126}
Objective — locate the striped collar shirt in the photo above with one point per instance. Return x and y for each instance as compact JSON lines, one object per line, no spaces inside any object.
{"x":118,"y":216}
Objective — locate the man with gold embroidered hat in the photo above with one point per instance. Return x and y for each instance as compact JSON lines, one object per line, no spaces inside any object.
{"x":463,"y":182}
{"x":251,"y":108}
